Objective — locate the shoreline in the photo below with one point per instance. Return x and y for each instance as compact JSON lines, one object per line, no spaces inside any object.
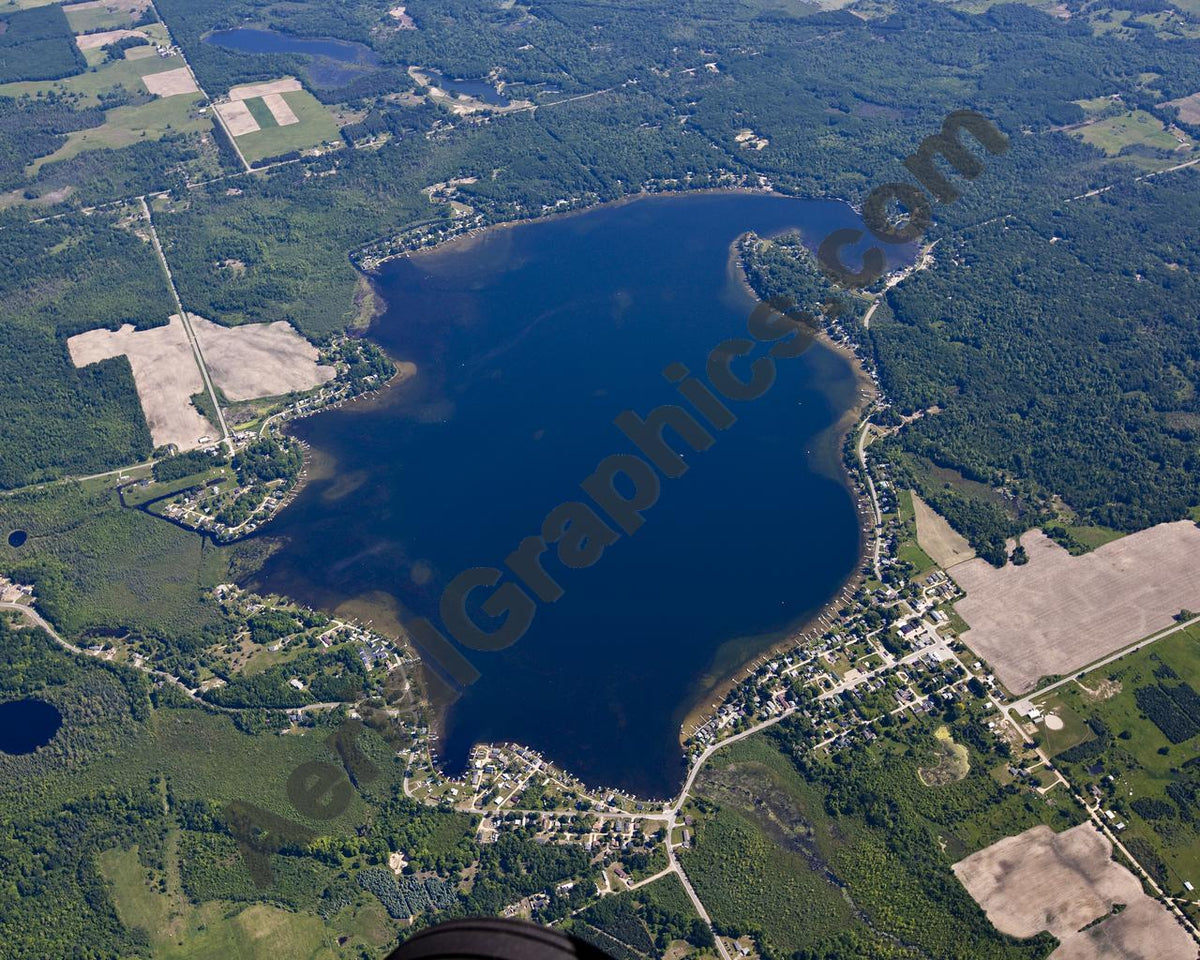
{"x":468,"y":237}
{"x":704,"y":704}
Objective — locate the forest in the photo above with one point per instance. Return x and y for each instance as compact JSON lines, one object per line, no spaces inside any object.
{"x":1059,"y":350}
{"x":833,"y":857}
{"x":37,"y":44}
{"x":59,"y":278}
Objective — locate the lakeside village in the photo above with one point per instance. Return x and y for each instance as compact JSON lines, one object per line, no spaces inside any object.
{"x":229,"y":497}
{"x":885,"y":650}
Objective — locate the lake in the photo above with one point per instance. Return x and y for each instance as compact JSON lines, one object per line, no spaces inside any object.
{"x":26,"y":725}
{"x":327,"y":53}
{"x":529,"y":341}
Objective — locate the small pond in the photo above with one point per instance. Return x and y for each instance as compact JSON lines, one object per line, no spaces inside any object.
{"x":17,"y":538}
{"x":27,"y":724}
{"x":482,"y":90}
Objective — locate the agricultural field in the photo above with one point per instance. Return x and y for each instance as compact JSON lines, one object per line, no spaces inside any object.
{"x":276,"y":118}
{"x":165,"y":371}
{"x":1068,"y":885}
{"x":1189,"y":108}
{"x":808,"y":853}
{"x":247,"y":362}
{"x":940,"y":541}
{"x":122,"y":100}
{"x":1134,"y":722}
{"x":1058,"y":613}
{"x":61,"y":277}
{"x":103,"y":77}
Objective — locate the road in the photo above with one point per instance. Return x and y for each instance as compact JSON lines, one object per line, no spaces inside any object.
{"x":196,"y":81}
{"x":40,"y":621}
{"x":226,"y":437}
{"x":1022,"y":706}
{"x":862,"y":461}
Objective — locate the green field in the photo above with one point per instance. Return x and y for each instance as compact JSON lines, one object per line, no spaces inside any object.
{"x":100,"y":78}
{"x":180,"y":930}
{"x":316,"y":127}
{"x":1093,"y":537}
{"x":261,"y":113}
{"x":1136,"y":128}
{"x":92,"y":19}
{"x":124,"y":126}
{"x":908,"y":550}
{"x":1136,"y":753}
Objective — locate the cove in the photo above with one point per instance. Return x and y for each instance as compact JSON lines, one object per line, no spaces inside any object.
{"x":529,"y":340}
{"x":26,"y":725}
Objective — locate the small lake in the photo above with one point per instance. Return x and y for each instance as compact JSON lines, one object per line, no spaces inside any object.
{"x":529,"y":341}
{"x":482,"y":90}
{"x":327,"y":53}
{"x":17,"y":538}
{"x":26,"y":725}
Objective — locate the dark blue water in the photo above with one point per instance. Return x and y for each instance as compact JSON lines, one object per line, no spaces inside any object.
{"x":17,"y":538}
{"x":334,"y":62}
{"x":529,"y":341}
{"x":480,"y":90}
{"x":26,"y":725}
{"x":264,"y":40}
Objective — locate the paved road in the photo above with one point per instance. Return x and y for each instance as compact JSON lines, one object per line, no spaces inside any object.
{"x":187,"y":326}
{"x":1022,"y":706}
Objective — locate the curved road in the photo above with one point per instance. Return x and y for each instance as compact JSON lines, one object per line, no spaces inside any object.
{"x":40,"y":621}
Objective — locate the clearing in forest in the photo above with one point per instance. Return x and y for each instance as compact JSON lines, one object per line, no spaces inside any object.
{"x":166,"y":375}
{"x":945,"y":545}
{"x":1057,"y":613}
{"x":1068,"y":884}
{"x":952,"y":764}
{"x":246,"y":363}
